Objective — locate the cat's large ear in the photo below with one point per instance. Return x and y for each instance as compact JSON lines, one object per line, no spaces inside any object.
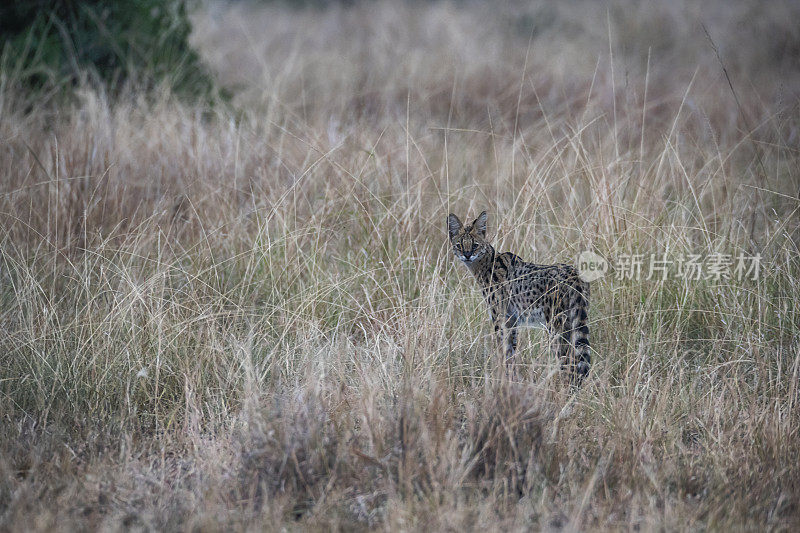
{"x":453,"y":225}
{"x":479,"y":225}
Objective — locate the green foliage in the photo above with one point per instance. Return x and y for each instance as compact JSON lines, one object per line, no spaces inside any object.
{"x":54,"y":43}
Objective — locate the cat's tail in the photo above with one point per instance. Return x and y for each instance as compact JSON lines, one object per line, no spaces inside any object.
{"x":578,"y":318}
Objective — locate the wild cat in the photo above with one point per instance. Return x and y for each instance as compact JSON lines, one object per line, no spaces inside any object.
{"x":526,"y":294}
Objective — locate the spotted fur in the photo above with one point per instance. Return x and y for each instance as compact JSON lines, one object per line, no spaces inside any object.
{"x":523,"y":294}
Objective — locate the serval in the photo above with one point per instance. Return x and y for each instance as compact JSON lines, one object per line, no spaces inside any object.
{"x":523,"y":294}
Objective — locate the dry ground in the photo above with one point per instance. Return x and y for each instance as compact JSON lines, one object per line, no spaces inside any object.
{"x":248,"y":317}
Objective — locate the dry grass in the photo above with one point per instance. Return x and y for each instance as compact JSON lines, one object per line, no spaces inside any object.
{"x":251,"y":319}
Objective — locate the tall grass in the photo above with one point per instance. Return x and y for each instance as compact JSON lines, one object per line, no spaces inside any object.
{"x":252,"y":319}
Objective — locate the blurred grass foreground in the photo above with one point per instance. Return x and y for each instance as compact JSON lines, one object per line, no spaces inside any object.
{"x":241,"y":312}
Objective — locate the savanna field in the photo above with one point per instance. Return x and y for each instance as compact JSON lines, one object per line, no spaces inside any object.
{"x":244,"y":313}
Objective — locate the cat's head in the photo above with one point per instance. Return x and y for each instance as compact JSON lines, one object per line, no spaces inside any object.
{"x":469,"y":242}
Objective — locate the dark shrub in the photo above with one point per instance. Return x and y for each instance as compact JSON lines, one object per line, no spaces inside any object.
{"x":53,"y":43}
